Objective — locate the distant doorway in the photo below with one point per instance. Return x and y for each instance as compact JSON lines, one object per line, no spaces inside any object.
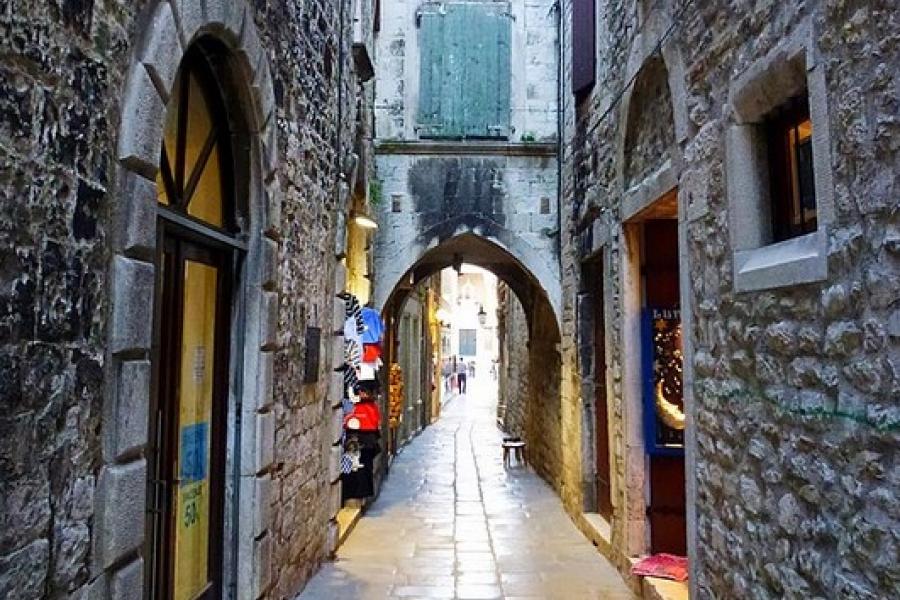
{"x":593,"y":276}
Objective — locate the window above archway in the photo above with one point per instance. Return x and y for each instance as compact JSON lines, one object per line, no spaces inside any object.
{"x":194,"y":174}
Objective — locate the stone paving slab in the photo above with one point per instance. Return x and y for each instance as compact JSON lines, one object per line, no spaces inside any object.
{"x":452,"y":523}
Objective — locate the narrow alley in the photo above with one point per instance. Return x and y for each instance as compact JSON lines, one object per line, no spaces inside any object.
{"x":283,"y":283}
{"x":451,"y":522}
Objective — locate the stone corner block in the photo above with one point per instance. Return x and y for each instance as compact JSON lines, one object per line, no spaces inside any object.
{"x":189,"y":15}
{"x":333,"y":538}
{"x":266,"y":93}
{"x":132,"y":305}
{"x":273,"y":208}
{"x":136,"y":212}
{"x":227,"y":15}
{"x":334,"y":464}
{"x":268,"y":325}
{"x":269,"y":138}
{"x":128,"y":582}
{"x":262,"y":565}
{"x":337,"y":423}
{"x":120,"y":511}
{"x":262,"y":508}
{"x":161,"y":53}
{"x":132,"y":406}
{"x":265,"y":441}
{"x":334,"y":498}
{"x":141,"y":130}
{"x":265,"y":381}
{"x":336,"y":391}
{"x":268,"y":262}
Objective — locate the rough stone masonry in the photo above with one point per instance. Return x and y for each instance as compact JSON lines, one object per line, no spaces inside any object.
{"x":795,"y":386}
{"x":63,"y":71}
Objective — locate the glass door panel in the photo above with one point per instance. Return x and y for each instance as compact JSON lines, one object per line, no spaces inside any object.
{"x":195,"y":413}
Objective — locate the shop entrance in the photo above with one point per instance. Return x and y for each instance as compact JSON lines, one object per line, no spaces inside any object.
{"x":661,"y":380}
{"x":593,"y":276}
{"x":197,"y":260}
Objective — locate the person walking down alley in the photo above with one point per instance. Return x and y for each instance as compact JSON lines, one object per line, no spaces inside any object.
{"x":461,"y":371}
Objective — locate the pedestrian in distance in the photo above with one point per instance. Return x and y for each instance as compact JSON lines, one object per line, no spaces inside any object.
{"x":461,"y":369}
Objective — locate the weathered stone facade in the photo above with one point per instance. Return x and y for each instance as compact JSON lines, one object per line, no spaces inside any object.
{"x":501,"y":190}
{"x":791,"y":374}
{"x":83,"y":92}
{"x":512,"y":377}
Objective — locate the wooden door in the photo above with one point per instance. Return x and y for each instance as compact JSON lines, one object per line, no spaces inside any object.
{"x":602,"y":476}
{"x":666,"y":510}
{"x":190,"y":421}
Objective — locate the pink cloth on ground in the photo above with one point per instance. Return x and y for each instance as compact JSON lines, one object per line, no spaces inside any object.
{"x":664,"y":566}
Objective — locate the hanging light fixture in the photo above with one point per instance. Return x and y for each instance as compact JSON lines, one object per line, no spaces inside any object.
{"x":363,"y":219}
{"x":482,"y":316}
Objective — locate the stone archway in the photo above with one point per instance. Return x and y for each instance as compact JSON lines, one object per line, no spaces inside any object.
{"x":543,"y":428}
{"x":120,"y":502}
{"x":438,"y":240}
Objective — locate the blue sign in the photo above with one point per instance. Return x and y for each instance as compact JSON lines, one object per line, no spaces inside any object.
{"x":664,"y":419}
{"x":194,"y":452}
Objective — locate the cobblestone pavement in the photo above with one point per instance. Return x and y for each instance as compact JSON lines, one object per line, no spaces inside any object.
{"x":452,"y":523}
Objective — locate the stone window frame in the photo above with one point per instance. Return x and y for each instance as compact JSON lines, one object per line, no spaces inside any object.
{"x":168,"y":30}
{"x":789,"y":69}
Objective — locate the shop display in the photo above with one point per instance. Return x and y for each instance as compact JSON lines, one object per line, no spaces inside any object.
{"x":362,"y":333}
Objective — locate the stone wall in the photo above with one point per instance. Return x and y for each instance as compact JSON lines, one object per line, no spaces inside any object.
{"x":512,"y":376}
{"x":62,"y":81}
{"x":434,"y":190}
{"x":60,"y":74}
{"x":792,"y":408}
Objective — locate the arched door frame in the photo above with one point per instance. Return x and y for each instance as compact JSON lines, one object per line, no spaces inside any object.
{"x":120,"y":504}
{"x":651,"y":41}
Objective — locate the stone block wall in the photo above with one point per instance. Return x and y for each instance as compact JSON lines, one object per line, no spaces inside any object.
{"x":60,"y":75}
{"x":74,"y":363}
{"x":512,"y":376}
{"x":793,"y":403}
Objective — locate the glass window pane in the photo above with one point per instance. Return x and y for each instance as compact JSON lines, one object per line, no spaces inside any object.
{"x":199,"y":126}
{"x":192,"y":499}
{"x":170,"y":134}
{"x":161,"y":196}
{"x":206,"y":201}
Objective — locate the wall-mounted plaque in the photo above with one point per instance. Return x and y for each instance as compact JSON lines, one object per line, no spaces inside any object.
{"x":313,"y":352}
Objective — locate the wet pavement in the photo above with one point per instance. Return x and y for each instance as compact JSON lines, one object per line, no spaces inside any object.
{"x":452,"y":523}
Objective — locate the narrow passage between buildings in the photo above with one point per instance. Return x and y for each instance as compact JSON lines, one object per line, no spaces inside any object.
{"x":450,"y":522}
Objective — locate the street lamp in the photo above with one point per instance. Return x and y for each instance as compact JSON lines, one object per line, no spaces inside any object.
{"x":482,"y":316}
{"x":362,"y":219}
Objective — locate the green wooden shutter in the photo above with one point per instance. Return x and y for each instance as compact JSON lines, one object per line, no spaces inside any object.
{"x":464,"y":70}
{"x":431,"y":71}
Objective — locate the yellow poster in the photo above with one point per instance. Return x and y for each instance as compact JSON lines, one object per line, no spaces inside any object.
{"x":192,"y":502}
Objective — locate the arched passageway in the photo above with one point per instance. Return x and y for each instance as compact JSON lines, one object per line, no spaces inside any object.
{"x":542,"y":404}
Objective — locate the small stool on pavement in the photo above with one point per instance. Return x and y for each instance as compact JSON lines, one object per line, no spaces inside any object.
{"x":515,"y":446}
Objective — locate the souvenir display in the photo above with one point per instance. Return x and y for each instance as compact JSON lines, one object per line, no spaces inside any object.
{"x":363,"y":331}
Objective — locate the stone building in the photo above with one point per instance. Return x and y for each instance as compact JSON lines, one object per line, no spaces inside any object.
{"x":176,"y":181}
{"x":467,"y":136}
{"x":730,"y":179}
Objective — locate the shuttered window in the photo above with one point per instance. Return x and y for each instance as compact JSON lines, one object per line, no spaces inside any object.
{"x":584,"y":49}
{"x":464,"y":70}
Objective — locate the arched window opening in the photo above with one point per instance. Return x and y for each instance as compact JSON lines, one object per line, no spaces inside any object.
{"x":199,"y":251}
